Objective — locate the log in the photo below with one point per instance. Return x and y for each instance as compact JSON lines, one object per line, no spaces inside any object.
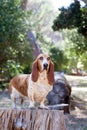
{"x":25,"y":119}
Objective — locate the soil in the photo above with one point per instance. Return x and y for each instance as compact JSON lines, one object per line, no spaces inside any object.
{"x":77,"y":120}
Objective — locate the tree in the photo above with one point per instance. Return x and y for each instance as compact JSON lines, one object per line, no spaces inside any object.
{"x":60,"y":60}
{"x":74,"y":49}
{"x":74,"y":16}
{"x":41,"y":20}
{"x":14,"y":48}
{"x":85,"y":1}
{"x":77,"y":42}
{"x":24,"y":119}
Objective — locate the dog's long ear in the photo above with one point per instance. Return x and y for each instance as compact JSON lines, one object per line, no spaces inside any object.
{"x":35,"y":72}
{"x":50,"y":74}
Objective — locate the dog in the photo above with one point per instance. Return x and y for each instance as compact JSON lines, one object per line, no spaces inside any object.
{"x":60,"y":94}
{"x":36,"y":85}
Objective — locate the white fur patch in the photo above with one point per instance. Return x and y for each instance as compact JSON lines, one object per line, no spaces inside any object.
{"x":44,"y":62}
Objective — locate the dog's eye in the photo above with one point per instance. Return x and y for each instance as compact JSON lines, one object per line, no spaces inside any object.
{"x":41,"y":58}
{"x":48,"y":58}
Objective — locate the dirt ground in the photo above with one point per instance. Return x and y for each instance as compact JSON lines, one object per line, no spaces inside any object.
{"x":77,"y":120}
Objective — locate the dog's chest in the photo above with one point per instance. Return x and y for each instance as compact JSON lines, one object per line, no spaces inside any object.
{"x":40,"y":88}
{"x":41,"y":85}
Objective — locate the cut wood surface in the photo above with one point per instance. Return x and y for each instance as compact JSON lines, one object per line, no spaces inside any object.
{"x":25,"y":119}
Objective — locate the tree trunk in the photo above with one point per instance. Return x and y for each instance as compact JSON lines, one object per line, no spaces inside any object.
{"x":25,"y":4}
{"x":36,"y":48}
{"x":21,"y":119}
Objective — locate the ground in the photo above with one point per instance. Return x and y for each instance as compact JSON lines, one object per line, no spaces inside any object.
{"x":77,"y":120}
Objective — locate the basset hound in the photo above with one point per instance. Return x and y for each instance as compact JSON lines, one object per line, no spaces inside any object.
{"x":36,"y":85}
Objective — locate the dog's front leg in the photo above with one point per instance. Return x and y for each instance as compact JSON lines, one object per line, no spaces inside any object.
{"x":31,"y":102}
{"x":31,"y":105}
{"x":13,"y":103}
{"x":42,"y":106}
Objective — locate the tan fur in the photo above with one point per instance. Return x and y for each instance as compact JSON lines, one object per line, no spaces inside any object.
{"x":20,"y":82}
{"x":36,"y":85}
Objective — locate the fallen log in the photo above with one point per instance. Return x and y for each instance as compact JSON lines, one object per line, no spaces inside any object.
{"x":25,"y":119}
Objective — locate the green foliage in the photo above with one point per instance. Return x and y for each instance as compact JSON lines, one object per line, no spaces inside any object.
{"x":2,"y":85}
{"x":12,"y":68}
{"x":75,"y":49}
{"x":85,"y":128}
{"x":14,"y":48}
{"x":73,"y":21}
{"x":83,"y":26}
{"x":59,"y":59}
{"x":76,"y":42}
{"x":11,"y":21}
{"x":72,"y":17}
{"x":84,"y":60}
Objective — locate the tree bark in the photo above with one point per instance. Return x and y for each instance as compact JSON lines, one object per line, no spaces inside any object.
{"x":36,"y":48}
{"x":25,"y":4}
{"x":24,"y":119}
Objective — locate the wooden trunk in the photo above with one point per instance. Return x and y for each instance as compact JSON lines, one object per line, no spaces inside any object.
{"x":24,"y":119}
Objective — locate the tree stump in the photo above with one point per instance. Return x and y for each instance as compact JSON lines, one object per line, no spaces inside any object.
{"x":25,"y":119}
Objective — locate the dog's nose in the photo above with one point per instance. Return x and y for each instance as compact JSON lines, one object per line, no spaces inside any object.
{"x":45,"y":66}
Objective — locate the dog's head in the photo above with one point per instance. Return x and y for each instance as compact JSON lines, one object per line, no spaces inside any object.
{"x":43,"y":63}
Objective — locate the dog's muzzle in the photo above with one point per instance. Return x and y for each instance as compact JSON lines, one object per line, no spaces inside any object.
{"x":45,"y":66}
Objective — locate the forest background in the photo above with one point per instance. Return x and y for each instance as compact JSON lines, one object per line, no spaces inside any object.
{"x":28,"y":28}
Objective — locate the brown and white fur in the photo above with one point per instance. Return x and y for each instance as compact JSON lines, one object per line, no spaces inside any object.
{"x":36,"y":85}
